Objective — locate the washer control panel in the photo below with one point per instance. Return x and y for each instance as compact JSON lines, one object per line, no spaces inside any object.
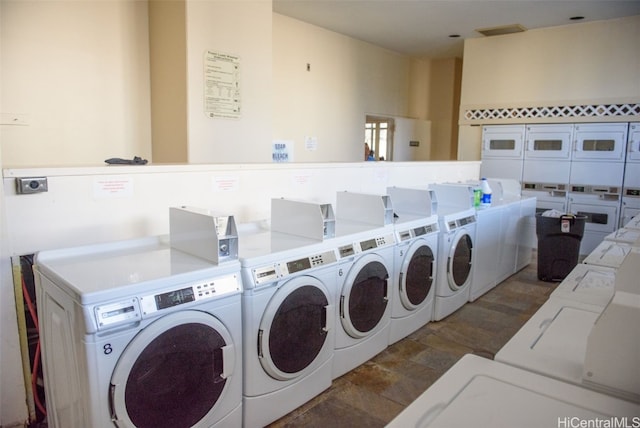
{"x":134,"y":309}
{"x":286,"y":268}
{"x":415,"y":232}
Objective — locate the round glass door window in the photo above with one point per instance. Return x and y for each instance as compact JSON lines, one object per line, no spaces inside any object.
{"x":294,"y":328}
{"x":417,"y":277}
{"x":171,"y":375}
{"x":460,"y":262}
{"x":365,"y":296}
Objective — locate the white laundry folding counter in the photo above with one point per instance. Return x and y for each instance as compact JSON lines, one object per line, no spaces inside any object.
{"x":478,"y":392}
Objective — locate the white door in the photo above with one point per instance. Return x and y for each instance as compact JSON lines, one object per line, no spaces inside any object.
{"x":600,"y":142}
{"x":503,"y":142}
{"x":633,"y":144}
{"x":548,"y":141}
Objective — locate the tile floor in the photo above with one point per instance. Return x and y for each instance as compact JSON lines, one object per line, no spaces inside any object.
{"x":374,"y":393}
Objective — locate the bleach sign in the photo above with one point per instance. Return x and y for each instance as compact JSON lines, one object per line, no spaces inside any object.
{"x":282,"y":151}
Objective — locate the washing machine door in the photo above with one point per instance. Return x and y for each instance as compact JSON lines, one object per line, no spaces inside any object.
{"x":173,"y":373}
{"x":459,"y":260}
{"x":416,"y":275}
{"x":294,"y":329}
{"x":365,"y":296}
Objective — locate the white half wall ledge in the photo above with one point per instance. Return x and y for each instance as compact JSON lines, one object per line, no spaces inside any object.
{"x":85,"y":205}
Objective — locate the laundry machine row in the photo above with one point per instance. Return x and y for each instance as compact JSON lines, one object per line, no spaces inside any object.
{"x":141,"y":334}
{"x":317,"y":298}
{"x":558,"y":161}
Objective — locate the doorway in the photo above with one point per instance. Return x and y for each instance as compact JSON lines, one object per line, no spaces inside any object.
{"x":378,"y":134}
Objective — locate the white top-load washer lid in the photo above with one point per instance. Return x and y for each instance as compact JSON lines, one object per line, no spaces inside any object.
{"x":613,"y":349}
{"x":634,"y":223}
{"x":588,"y":284}
{"x":554,"y":340}
{"x":98,"y":273}
{"x":628,"y":273}
{"x":477,"y":392}
{"x":609,"y":254}
{"x":626,"y":236}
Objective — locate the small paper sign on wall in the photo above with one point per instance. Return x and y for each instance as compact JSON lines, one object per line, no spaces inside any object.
{"x":221,"y":85}
{"x":282,"y":151}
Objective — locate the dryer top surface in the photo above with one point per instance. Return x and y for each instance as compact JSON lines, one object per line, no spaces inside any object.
{"x":145,"y":263}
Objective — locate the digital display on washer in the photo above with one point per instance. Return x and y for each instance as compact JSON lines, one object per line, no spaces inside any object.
{"x":262,"y":274}
{"x":174,"y":298}
{"x":405,"y":235}
{"x":578,"y":189}
{"x":346,"y":251}
{"x":466,"y":220}
{"x":118,"y":311}
{"x":632,"y":192}
{"x":298,"y":265}
{"x":368,"y":244}
{"x":419,"y":231}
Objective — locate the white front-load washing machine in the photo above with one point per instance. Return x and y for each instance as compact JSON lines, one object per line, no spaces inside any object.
{"x":364,"y":296}
{"x":456,"y":245}
{"x":288,"y":321}
{"x":478,"y":392}
{"x":139,"y":334}
{"x":414,"y":278}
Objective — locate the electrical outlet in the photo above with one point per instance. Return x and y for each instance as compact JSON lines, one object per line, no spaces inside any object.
{"x":28,"y":185}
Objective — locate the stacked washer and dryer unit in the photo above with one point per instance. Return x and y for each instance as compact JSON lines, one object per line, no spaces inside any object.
{"x":146,"y":332}
{"x":567,"y":167}
{"x":631,"y":183}
{"x":595,"y":184}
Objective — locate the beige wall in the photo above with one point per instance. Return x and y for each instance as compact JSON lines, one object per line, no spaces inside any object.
{"x":347,"y":80}
{"x":168,"y":61}
{"x":78,"y":72}
{"x":443,"y":106}
{"x":586,"y":63}
{"x":242,"y":29}
{"x":575,"y":64}
{"x":81,"y":75}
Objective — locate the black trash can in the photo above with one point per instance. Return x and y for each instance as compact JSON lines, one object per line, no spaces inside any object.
{"x":558,"y":245}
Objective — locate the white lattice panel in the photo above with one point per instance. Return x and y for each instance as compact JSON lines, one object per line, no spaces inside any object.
{"x":583,"y":111}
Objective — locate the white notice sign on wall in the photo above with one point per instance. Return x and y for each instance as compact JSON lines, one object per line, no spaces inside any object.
{"x":221,"y":85}
{"x":113,"y":187}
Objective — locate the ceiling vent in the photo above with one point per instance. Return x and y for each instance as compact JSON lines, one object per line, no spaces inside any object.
{"x":504,"y":29}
